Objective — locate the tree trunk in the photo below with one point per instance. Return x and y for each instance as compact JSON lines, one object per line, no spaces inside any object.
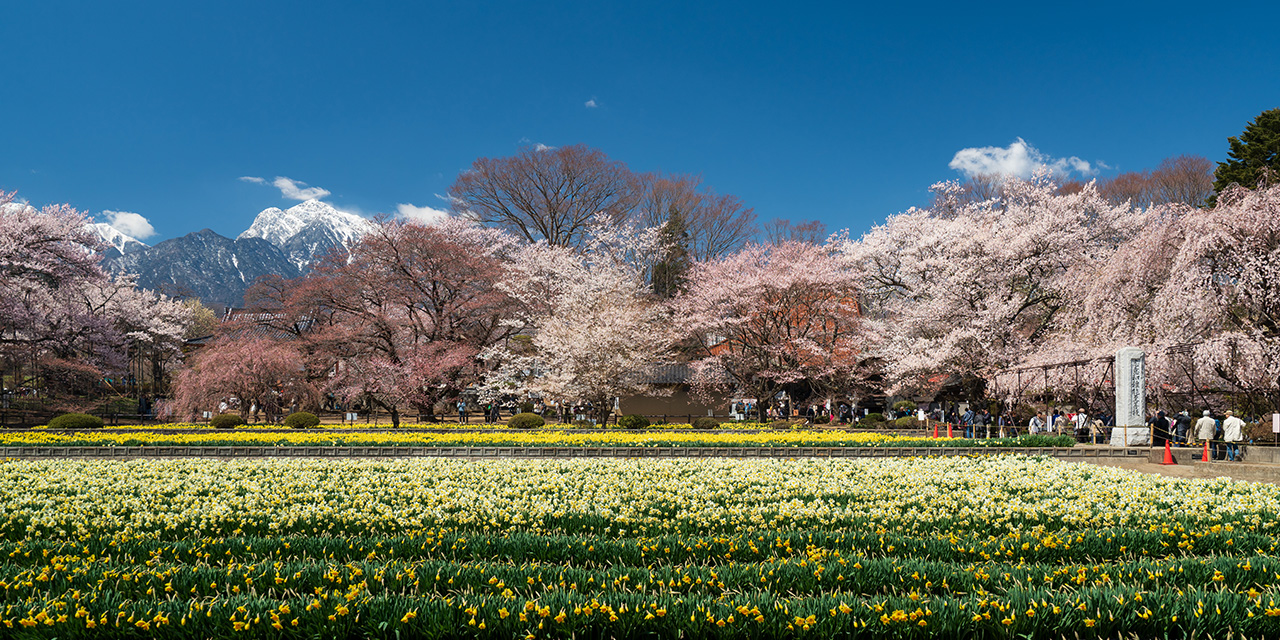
{"x":395,"y":417}
{"x":602,"y":408}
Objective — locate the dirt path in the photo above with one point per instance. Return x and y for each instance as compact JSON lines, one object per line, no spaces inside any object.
{"x":1251,"y":472}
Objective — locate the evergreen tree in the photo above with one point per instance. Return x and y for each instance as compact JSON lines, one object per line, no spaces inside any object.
{"x":670,"y":273}
{"x":1252,"y":156}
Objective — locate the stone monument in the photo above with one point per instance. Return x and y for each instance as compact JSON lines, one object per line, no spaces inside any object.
{"x":1131,"y":399}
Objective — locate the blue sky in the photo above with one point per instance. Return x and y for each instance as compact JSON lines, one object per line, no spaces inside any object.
{"x":838,"y":112}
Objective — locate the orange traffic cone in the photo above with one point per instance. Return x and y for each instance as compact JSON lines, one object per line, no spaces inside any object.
{"x":1206,"y":452}
{"x":949,"y":430}
{"x":1168,"y":454}
{"x":935,"y":430}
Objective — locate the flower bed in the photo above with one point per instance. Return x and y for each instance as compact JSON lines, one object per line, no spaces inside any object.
{"x":994,"y":547}
{"x":507,"y":438}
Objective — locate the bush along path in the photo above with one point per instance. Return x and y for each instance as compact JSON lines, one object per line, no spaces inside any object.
{"x":508,"y":438}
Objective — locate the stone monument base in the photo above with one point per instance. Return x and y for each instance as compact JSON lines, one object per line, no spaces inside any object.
{"x":1135,"y":436}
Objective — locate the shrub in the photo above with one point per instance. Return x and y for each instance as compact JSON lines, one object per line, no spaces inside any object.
{"x":705,"y":423}
{"x":872,"y":418}
{"x":301,"y":420}
{"x":526,"y":420}
{"x":75,"y":421}
{"x":583,"y":424}
{"x":822,"y":419}
{"x":226,"y":421}
{"x":1258,"y":432}
{"x":633,"y":422}
{"x":905,"y":405}
{"x":906,"y":423}
{"x":1039,"y":440}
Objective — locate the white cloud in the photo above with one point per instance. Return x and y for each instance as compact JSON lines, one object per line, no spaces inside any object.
{"x":131,"y":224}
{"x":291,"y":189}
{"x":537,"y":146}
{"x":422,"y":215}
{"x":296,"y":190}
{"x":591,"y":104}
{"x":1018,"y":159}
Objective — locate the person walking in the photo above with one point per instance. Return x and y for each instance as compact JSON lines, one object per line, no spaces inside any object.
{"x":1233,"y":433}
{"x":967,"y":420}
{"x":1037,"y":424}
{"x":1082,"y":426}
{"x":462,"y":412}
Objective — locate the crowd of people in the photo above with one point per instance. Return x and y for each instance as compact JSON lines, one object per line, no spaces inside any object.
{"x":493,"y":411}
{"x":1222,"y":435}
{"x":269,"y":410}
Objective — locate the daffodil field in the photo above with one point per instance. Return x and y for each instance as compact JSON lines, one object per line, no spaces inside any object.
{"x":991,"y":547}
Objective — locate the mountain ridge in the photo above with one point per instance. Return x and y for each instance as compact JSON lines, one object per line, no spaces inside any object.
{"x":118,"y":243}
{"x":308,"y":230}
{"x":219,"y":270}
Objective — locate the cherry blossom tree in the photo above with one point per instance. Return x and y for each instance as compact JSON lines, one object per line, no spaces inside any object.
{"x":1199,"y":291}
{"x":46,"y":256}
{"x":592,"y":328}
{"x":145,"y":325}
{"x":400,"y":322}
{"x":1223,"y":293}
{"x":771,"y":316}
{"x":968,"y":288}
{"x":251,"y":370}
{"x":60,"y":310}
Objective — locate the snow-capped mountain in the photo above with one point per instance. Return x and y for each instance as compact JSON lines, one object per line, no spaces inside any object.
{"x":118,"y":243}
{"x":307,"y":231}
{"x":205,"y":265}
{"x":219,"y":270}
